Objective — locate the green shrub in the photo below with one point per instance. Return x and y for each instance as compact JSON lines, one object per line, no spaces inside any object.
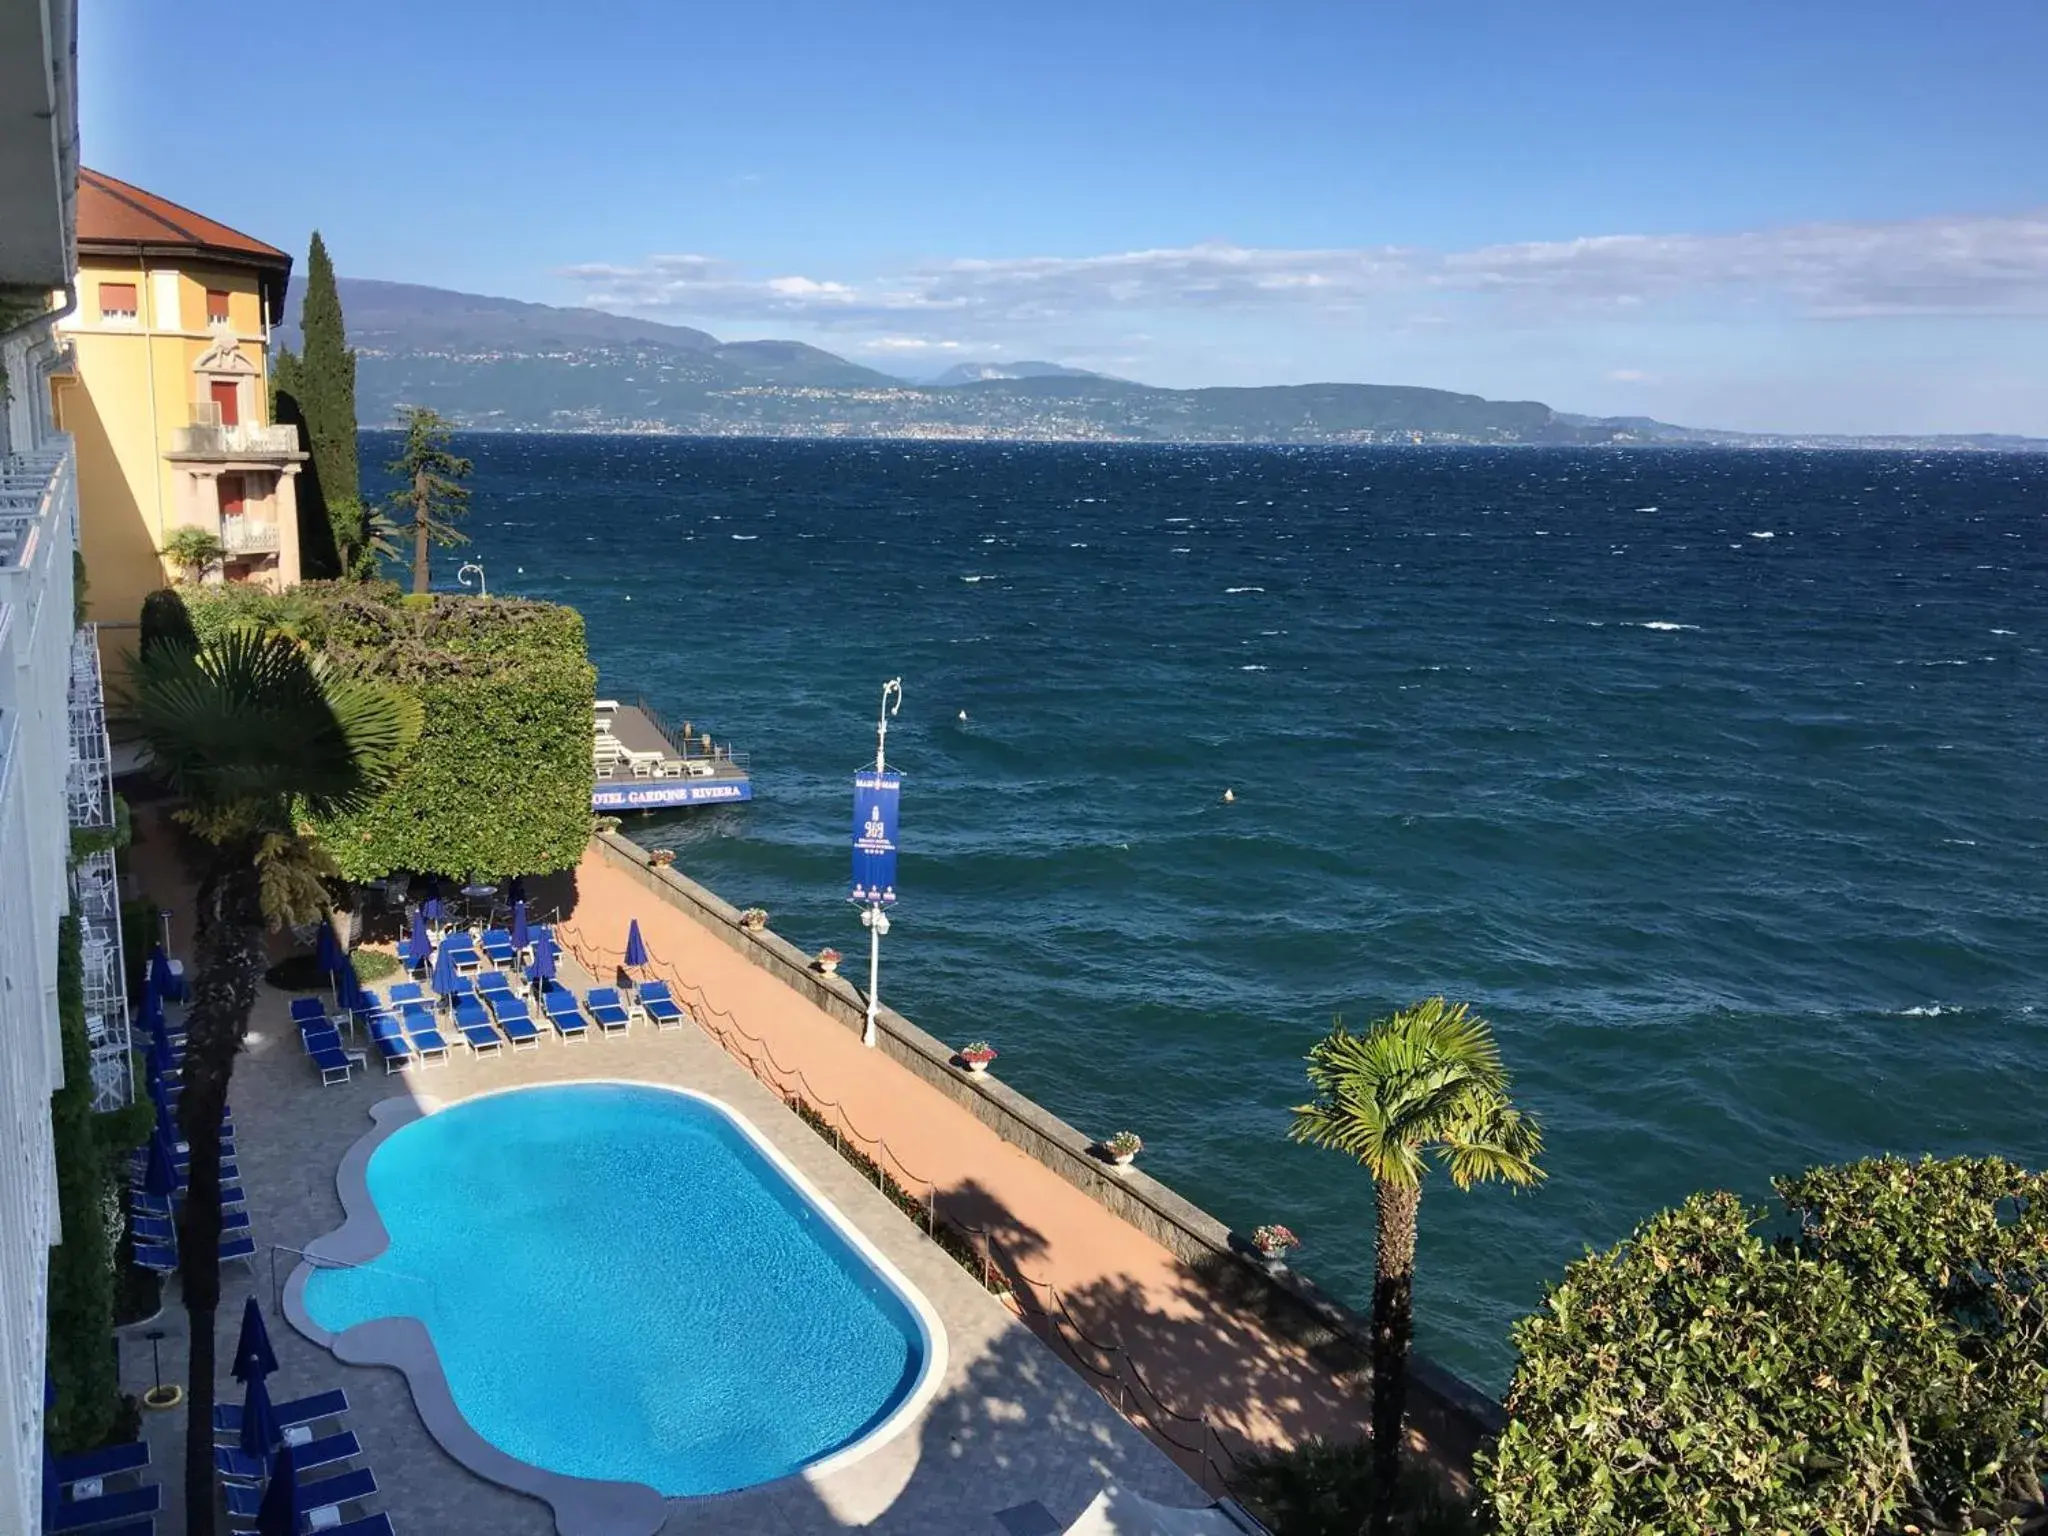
{"x":1880,"y":1367}
{"x":500,"y":783}
{"x":375,"y":964}
{"x":81,"y":1354}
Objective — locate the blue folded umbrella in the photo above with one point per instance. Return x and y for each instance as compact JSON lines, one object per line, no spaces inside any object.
{"x":159,"y":1175}
{"x":260,"y":1429}
{"x":417,"y":947}
{"x":254,"y":1357}
{"x":160,"y":975}
{"x":327,"y":948}
{"x":443,"y":979}
{"x":516,"y":891}
{"x":636,"y":947}
{"x":432,"y":905}
{"x":279,"y":1513}
{"x":520,"y":937}
{"x":543,"y":967}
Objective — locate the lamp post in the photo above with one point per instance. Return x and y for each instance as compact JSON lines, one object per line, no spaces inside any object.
{"x":462,"y":578}
{"x":874,"y":919}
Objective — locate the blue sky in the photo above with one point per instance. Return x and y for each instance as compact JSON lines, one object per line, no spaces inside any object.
{"x":1820,"y":216}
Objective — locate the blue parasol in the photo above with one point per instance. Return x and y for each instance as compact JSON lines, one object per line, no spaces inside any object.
{"x":159,"y":1177}
{"x":254,"y":1358}
{"x":443,"y":979}
{"x":516,"y":891}
{"x":543,"y":967}
{"x":160,"y":975}
{"x":520,"y":936}
{"x":432,"y":905}
{"x":418,"y":947}
{"x":151,"y":1013}
{"x":161,"y":1061}
{"x":636,"y":947}
{"x":260,"y":1434}
{"x":327,"y":950}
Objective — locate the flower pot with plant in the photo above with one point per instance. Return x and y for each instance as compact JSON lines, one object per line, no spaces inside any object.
{"x":661,"y":858}
{"x":1274,"y":1242}
{"x":1123,"y":1148}
{"x":828,"y":961}
{"x":975,"y":1055}
{"x":754,"y":919}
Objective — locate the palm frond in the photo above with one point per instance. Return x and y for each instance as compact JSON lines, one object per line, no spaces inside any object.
{"x":250,"y":717}
{"x":1424,"y":1081}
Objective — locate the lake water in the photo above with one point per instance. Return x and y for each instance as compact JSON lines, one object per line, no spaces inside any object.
{"x":1717,"y":781}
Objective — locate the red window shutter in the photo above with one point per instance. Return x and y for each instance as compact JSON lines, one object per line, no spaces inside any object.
{"x":228,"y":397}
{"x":216,"y":306}
{"x":232,"y":495}
{"x":117,"y":299}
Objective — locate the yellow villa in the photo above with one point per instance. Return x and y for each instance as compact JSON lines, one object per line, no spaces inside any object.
{"x":168,"y":396}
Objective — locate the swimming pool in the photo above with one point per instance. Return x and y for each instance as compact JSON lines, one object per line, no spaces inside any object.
{"x":623,"y":1283}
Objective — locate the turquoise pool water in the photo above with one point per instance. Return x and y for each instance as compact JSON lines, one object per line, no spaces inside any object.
{"x":621,"y":1285}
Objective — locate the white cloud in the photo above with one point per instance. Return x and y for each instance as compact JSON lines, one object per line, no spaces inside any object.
{"x":1629,"y":376}
{"x":1959,"y":265}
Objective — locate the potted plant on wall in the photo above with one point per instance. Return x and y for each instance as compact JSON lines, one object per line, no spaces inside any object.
{"x":754,"y":919}
{"x":828,"y":961}
{"x":975,"y":1055}
{"x":1274,"y":1243}
{"x":661,"y":858}
{"x":1123,"y":1148}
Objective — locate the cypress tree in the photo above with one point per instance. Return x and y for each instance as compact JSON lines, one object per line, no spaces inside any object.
{"x":316,"y":389}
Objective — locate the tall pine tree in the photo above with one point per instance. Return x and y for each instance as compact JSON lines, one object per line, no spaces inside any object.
{"x":316,"y":390}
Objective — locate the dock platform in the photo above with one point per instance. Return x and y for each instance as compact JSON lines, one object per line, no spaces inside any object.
{"x":640,"y":763}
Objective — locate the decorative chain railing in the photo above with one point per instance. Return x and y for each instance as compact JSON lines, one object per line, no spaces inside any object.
{"x":1119,"y":1379}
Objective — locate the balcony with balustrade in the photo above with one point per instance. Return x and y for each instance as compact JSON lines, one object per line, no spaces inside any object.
{"x":245,"y":442}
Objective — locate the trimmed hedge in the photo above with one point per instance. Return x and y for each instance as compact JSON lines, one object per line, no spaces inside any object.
{"x":81,"y":1357}
{"x":500,"y":784}
{"x":1870,"y":1357}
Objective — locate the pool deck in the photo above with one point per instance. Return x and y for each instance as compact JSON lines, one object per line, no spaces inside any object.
{"x":1010,"y":1424}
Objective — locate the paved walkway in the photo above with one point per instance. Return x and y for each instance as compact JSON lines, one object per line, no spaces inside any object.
{"x":1201,"y":1354}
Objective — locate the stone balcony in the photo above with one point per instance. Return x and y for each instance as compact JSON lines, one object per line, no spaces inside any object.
{"x":248,"y":536}
{"x":246,"y":440}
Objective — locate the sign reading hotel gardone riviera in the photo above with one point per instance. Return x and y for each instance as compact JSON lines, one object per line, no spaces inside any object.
{"x":874,"y":835}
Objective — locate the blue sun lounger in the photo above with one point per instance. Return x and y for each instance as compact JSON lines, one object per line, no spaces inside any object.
{"x":497,"y":947}
{"x":407,"y":992}
{"x":419,"y":1028}
{"x":659,"y":1007}
{"x":313,"y":1409}
{"x":378,"y":1524}
{"x":489,"y":982}
{"x":344,"y":1488}
{"x":607,"y":1010}
{"x":515,"y":1019}
{"x":160,"y":1231}
{"x":238,"y":1466}
{"x":391,"y":1044}
{"x":111,"y":1461}
{"x":82,"y":1514}
{"x":324,"y":1048}
{"x":475,"y":1025}
{"x":463,"y":954}
{"x":367,"y":1002}
{"x":564,"y":1013}
{"x":308,"y":1010}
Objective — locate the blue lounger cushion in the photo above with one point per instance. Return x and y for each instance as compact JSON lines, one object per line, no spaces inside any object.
{"x":236,"y":1464}
{"x":335,"y":1066}
{"x":154,"y":1256}
{"x":408,"y":992}
{"x":658,"y":1004}
{"x":109,"y":1461}
{"x":378,"y":1524}
{"x":81,"y":1514}
{"x":344,"y":1488}
{"x":606,"y":1008}
{"x":243,"y":1247}
{"x":304,"y":1008}
{"x":493,"y":984}
{"x":520,"y":1030}
{"x":227,"y":1417}
{"x":160,"y":1230}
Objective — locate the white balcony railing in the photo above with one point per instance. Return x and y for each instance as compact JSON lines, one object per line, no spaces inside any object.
{"x":248,"y":535}
{"x":246,"y":439}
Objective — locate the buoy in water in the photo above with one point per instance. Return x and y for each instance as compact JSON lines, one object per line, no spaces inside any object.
{"x":1230,"y":797}
{"x":963,"y":716}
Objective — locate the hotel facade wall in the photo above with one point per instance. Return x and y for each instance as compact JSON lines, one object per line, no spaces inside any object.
{"x":1452,"y":1413}
{"x":38,"y":531}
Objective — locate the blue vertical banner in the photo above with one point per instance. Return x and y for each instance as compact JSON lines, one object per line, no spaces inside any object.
{"x":875,"y":797}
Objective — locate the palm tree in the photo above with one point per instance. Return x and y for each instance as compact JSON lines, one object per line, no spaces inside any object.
{"x":431,"y":494}
{"x":252,"y":732}
{"x":1424,"y":1081}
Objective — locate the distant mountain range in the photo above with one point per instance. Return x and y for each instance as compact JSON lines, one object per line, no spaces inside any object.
{"x":499,"y":364}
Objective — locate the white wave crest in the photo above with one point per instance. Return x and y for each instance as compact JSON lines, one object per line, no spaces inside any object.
{"x":970,"y":580}
{"x":1230,"y":591}
{"x":1664,"y":624}
{"x":1254,"y":669}
{"x":2003,"y":631}
{"x":1931,"y":1011}
{"x":745,"y":538}
{"x":1763,"y":535}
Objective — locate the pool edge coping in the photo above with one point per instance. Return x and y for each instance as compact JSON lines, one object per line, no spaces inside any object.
{"x":581,"y":1506}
